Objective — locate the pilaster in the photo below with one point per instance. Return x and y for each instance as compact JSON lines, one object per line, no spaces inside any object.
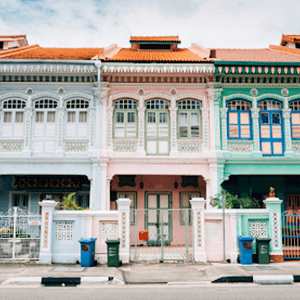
{"x":173,"y":115}
{"x":205,"y":112}
{"x":124,"y":228}
{"x":198,"y":222}
{"x":256,"y":144}
{"x":224,"y":127}
{"x":287,"y":132}
{"x":141,"y":131}
{"x":60,"y":125}
{"x":28,"y":129}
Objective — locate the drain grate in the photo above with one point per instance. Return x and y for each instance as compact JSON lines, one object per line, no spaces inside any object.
{"x":62,"y":269}
{"x":258,"y":268}
{"x":63,"y":281}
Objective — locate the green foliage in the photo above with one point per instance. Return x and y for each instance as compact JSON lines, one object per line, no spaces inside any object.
{"x":69,"y":204}
{"x":233,"y":201}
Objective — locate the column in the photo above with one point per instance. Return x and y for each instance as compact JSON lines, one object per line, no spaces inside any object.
{"x":48,"y":207}
{"x":92,"y":129}
{"x":205,"y":146}
{"x":109,"y":128}
{"x":198,"y":222}
{"x":104,"y":130}
{"x":273,"y":205}
{"x":124,"y":228}
{"x":173,"y":137}
{"x":234,"y":245}
{"x":28,"y":131}
{"x":224,"y":127}
{"x":256,"y":139}
{"x":103,"y":185}
{"x":60,"y":130}
{"x":141,"y":131}
{"x":98,"y":117}
{"x":287,"y":133}
{"x":96,"y":201}
{"x":208,"y":192}
{"x":108,"y":182}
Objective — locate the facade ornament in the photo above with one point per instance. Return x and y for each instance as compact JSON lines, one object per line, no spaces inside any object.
{"x":29,"y":91}
{"x":254,"y":92}
{"x":286,"y":112}
{"x":255,"y":113}
{"x":214,"y":94}
{"x":61,"y":90}
{"x":224,"y":113}
{"x":141,"y":92}
{"x":173,"y":91}
{"x":284,"y":92}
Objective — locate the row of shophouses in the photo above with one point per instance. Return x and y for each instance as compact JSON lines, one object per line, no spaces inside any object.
{"x":157,"y":124}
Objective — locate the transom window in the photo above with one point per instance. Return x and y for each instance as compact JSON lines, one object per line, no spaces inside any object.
{"x":238,"y":105}
{"x":77,"y":104}
{"x":189,"y":118}
{"x":239,"y":120}
{"x":125,"y":118}
{"x":13,"y":104}
{"x":45,"y":104}
{"x":125,"y":104}
{"x":269,"y":105}
{"x":295,"y":119}
{"x":157,"y":104}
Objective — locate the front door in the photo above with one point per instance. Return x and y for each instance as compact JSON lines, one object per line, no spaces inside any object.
{"x":271,"y":133}
{"x":158,"y":218}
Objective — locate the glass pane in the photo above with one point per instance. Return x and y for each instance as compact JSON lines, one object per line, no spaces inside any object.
{"x":83,"y":117}
{"x":244,"y":118}
{"x":264,"y":118}
{"x":296,"y":132}
{"x":276,"y":131}
{"x":120,"y":117}
{"x":266,"y":147}
{"x":71,"y":116}
{"x":296,"y":118}
{"x":39,"y":117}
{"x":51,"y":117}
{"x":233,"y":131}
{"x":245,"y":131}
{"x":7,"y":117}
{"x":162,"y":117}
{"x":151,"y":117}
{"x":265,"y":131}
{"x":183,"y":131}
{"x":233,"y":118}
{"x":131,"y":117}
{"x":277,"y":148}
{"x":276,"y":119}
{"x":182,"y":118}
{"x":195,"y":118}
{"x":195,"y":131}
{"x":19,"y":117}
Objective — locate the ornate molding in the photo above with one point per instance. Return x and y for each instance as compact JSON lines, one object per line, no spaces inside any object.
{"x":224,"y":113}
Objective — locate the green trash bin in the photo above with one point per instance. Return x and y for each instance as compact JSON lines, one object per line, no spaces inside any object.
{"x":113,"y":253}
{"x":263,"y":250}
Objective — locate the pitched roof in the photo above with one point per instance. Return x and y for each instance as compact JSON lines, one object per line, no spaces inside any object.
{"x":178,"y":55}
{"x":155,"y":39}
{"x":7,"y":36}
{"x":255,"y":55}
{"x":283,"y":49}
{"x":290,"y":38}
{"x":37,"y":52}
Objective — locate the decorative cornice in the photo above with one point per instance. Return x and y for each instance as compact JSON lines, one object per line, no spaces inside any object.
{"x":157,"y":68}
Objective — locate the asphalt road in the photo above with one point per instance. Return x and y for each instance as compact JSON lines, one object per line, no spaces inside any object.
{"x":150,"y":292}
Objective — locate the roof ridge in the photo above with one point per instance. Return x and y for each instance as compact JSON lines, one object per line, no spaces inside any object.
{"x":238,"y":48}
{"x":18,"y":50}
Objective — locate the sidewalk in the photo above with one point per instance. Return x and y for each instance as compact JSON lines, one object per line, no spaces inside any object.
{"x":171,"y":273}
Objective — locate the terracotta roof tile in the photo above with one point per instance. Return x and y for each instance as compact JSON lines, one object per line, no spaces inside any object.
{"x":36,"y":52}
{"x":283,"y":49}
{"x":155,"y":39}
{"x":5,"y":36}
{"x":290,"y":38}
{"x":179,"y":55}
{"x":255,"y":55}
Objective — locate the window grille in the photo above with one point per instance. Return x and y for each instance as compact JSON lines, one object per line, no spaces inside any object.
{"x":269,"y":105}
{"x":157,"y":104}
{"x":14,"y":104}
{"x":238,"y":105}
{"x":125,"y":104}
{"x":45,"y":104}
{"x":77,"y":104}
{"x":189,"y":104}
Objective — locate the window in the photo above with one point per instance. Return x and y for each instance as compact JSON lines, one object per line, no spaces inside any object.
{"x":13,"y":118}
{"x":133,"y":204}
{"x":157,"y":126}
{"x":185,"y":198}
{"x":77,"y":120}
{"x":239,"y":120}
{"x":295,"y":119}
{"x":21,"y":200}
{"x":125,"y":118}
{"x":189,"y":118}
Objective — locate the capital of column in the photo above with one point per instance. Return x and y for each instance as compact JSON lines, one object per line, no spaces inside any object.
{"x":255,"y":113}
{"x":224,"y":113}
{"x":286,"y":112}
{"x":48,"y":203}
{"x":28,"y":111}
{"x":198,"y":203}
{"x":214,"y":95}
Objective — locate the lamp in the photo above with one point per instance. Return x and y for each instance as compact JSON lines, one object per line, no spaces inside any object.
{"x":141,"y":184}
{"x":175,"y":185}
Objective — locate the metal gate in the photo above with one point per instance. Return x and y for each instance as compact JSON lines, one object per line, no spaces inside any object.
{"x":169,"y":235}
{"x":19,"y":235}
{"x":291,"y":234}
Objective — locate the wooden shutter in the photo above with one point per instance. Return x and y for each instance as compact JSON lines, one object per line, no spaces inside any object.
{"x":82,"y":129}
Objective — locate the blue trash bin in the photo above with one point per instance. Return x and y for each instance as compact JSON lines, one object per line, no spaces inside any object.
{"x":87,"y":247}
{"x":245,"y":246}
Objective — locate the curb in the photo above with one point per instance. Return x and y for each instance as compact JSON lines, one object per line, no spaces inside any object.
{"x":259,"y":279}
{"x":62,"y":281}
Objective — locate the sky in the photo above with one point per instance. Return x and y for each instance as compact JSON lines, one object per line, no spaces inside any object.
{"x":100,"y":23}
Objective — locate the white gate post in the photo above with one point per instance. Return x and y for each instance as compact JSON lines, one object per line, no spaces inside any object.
{"x":199,"y":253}
{"x":124,"y":228}
{"x":48,"y":207}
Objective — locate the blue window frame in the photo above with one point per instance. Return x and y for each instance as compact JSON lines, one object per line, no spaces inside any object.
{"x":239,"y":125}
{"x":295,"y":119}
{"x":271,"y":128}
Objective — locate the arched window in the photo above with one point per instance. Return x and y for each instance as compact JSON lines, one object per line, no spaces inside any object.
{"x":239,"y":119}
{"x":157,"y":126}
{"x":271,"y":128}
{"x":189,"y":118}
{"x":13,"y":117}
{"x":125,"y":116}
{"x":295,"y":119}
{"x":77,"y":117}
